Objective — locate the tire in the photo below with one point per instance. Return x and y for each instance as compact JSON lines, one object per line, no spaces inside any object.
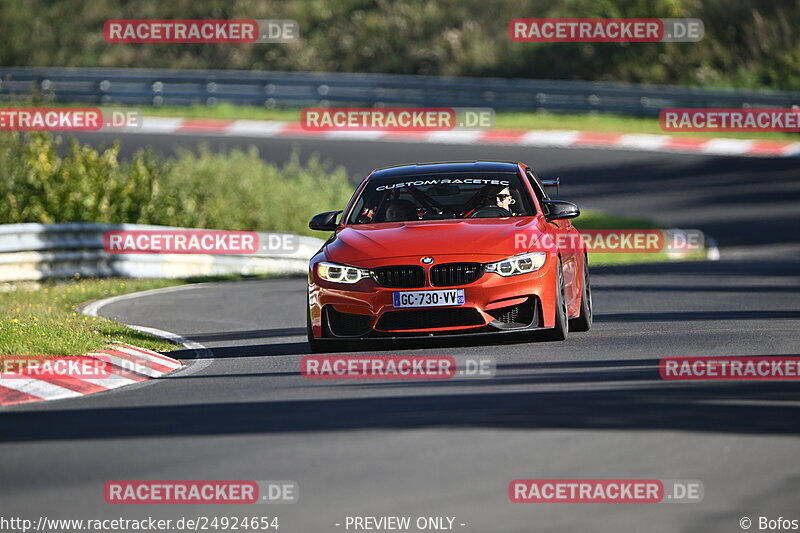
{"x":584,"y":321}
{"x":559,"y":332}
{"x":314,"y":345}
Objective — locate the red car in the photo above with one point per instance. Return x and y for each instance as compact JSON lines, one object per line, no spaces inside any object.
{"x":463,"y":248}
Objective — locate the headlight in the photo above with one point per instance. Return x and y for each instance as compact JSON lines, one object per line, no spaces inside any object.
{"x":341,"y":273}
{"x":519,"y":264}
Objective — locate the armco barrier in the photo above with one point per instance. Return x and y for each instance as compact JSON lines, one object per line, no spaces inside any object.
{"x":41,"y":251}
{"x":306,"y":89}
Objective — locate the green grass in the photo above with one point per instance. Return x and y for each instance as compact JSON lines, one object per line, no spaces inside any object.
{"x":607,"y":259}
{"x":43,"y":319}
{"x":520,"y":120}
{"x":597,"y":220}
{"x":591,"y":219}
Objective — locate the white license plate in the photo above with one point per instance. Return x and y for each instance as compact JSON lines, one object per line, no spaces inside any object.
{"x":428,"y":298}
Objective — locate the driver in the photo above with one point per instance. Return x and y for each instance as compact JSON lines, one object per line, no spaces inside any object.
{"x":498,"y":203}
{"x":502,"y":198}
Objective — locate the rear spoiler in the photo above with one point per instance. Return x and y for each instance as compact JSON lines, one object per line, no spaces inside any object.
{"x":551,"y":183}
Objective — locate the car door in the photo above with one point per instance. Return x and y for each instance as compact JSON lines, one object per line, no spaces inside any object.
{"x":568,"y":239}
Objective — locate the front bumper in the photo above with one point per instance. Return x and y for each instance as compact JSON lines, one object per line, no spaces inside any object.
{"x":493,"y":304}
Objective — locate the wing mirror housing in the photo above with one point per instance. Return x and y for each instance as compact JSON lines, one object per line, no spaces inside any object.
{"x":560,"y":210}
{"x":324,"y":221}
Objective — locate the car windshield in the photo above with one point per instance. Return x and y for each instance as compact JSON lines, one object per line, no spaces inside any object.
{"x":440,"y":197}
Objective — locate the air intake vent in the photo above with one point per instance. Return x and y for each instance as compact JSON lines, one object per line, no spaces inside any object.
{"x":429,"y":318}
{"x":347,"y":324}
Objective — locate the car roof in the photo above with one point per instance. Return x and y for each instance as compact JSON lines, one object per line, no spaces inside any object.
{"x":447,"y":167}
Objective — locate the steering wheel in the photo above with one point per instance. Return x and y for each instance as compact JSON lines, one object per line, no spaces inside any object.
{"x":491,"y":211}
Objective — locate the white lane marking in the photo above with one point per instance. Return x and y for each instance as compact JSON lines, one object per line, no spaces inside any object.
{"x":726,"y":146}
{"x":203,"y":355}
{"x":793,"y":150}
{"x":111,"y":382}
{"x":549,"y":138}
{"x":158,"y":360}
{"x":643,"y":141}
{"x":156,"y":125}
{"x":38,"y":388}
{"x":127,"y":364}
{"x":355,"y":135}
{"x":454,"y":137}
{"x":255,"y":128}
{"x":139,"y":350}
{"x":92,"y":308}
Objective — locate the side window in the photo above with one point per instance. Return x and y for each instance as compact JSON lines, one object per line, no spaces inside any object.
{"x":537,"y":189}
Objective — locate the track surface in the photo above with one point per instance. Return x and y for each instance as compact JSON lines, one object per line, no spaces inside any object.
{"x":591,"y":407}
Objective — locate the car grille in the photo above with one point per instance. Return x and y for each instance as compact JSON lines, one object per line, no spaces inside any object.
{"x":401,"y":277}
{"x":429,"y":318}
{"x":455,"y":274}
{"x":347,"y":324}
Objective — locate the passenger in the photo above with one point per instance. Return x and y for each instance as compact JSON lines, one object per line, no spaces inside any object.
{"x":399,"y":210}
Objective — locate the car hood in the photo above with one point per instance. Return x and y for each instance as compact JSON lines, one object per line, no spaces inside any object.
{"x":492,"y":239}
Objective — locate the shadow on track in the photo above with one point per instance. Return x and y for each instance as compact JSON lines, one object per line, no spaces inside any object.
{"x":747,"y":408}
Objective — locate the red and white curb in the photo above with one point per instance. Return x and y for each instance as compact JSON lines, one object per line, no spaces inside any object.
{"x":539,"y":138}
{"x":127,"y":364}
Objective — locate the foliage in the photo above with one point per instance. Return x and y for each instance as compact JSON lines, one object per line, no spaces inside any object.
{"x":748,"y":43}
{"x":233,"y":190}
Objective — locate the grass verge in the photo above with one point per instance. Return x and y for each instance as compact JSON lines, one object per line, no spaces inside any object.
{"x":43,"y":319}
{"x":517,"y":120}
{"x":597,"y":220}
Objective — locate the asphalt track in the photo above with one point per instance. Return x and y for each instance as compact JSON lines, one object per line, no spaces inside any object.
{"x":591,"y":407}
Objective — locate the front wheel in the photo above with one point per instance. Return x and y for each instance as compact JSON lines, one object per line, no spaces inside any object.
{"x":584,"y":321}
{"x":559,"y":332}
{"x":314,"y":345}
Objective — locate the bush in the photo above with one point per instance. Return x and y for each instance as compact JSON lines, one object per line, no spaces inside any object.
{"x":233,"y":190}
{"x":747,"y":43}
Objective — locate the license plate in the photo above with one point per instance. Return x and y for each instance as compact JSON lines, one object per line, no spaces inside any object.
{"x":429,"y":298}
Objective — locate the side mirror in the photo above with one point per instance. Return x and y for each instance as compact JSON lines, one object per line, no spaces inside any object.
{"x":560,"y":210}
{"x":324,"y":221}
